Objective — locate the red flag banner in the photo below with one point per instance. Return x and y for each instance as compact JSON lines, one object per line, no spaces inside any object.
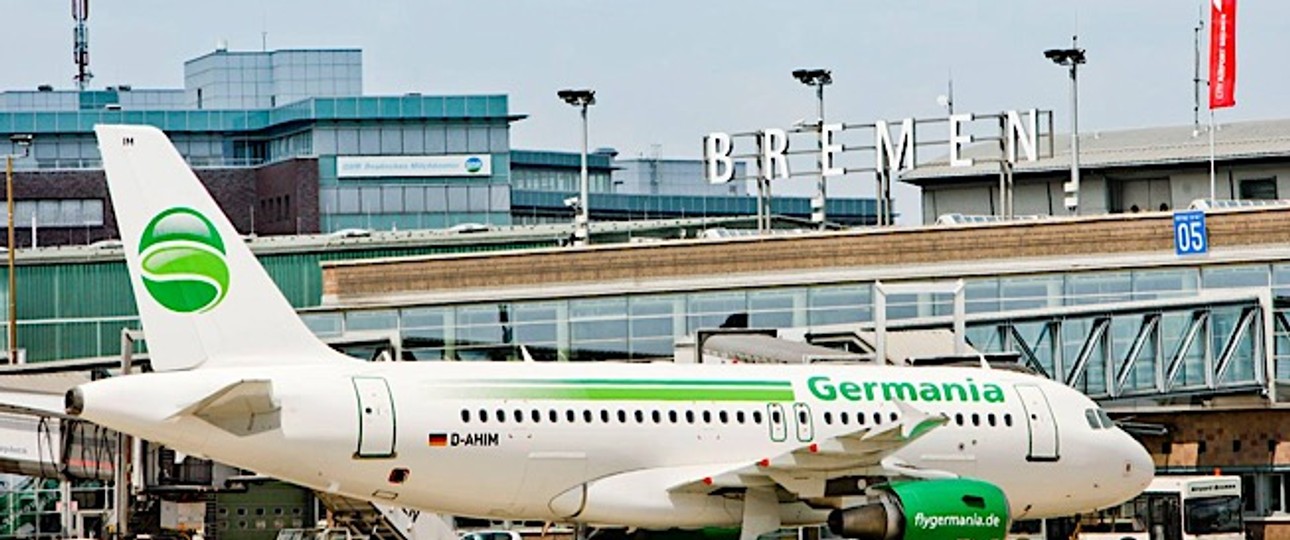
{"x":1222,"y":53}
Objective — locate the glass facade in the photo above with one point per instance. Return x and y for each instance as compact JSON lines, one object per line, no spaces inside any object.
{"x":261,"y":80}
{"x":530,"y":206}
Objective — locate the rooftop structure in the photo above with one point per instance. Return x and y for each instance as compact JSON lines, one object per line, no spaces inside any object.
{"x":1122,"y":171}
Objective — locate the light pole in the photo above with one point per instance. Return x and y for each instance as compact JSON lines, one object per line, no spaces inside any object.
{"x":22,"y":141}
{"x":819,"y":78}
{"x":1072,"y":58}
{"x":582,"y":99}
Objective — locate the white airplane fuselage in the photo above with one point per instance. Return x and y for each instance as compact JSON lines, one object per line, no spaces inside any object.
{"x":603,"y":443}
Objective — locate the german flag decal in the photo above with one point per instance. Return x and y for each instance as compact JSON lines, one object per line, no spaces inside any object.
{"x":438,"y":439}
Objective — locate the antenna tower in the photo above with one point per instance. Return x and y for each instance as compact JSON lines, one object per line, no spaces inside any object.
{"x":81,"y":44}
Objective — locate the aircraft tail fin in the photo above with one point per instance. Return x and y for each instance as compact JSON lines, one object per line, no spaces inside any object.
{"x":203,"y":298}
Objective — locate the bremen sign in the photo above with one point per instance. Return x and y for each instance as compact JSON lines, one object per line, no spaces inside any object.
{"x":892,"y":154}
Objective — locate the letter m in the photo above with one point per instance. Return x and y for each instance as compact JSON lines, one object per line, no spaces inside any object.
{"x":897,"y":157}
{"x":899,"y":390}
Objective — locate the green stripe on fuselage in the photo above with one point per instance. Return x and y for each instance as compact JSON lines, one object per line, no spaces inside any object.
{"x":619,"y":390}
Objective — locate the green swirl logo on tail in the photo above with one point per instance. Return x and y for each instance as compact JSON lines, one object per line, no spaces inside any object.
{"x":182,"y":261}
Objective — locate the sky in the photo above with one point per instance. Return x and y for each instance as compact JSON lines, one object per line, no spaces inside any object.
{"x":667,"y":72}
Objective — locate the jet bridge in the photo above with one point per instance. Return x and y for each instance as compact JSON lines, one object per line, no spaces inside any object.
{"x":1228,"y":344}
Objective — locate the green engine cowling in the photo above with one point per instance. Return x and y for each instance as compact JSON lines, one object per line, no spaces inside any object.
{"x":952,"y":509}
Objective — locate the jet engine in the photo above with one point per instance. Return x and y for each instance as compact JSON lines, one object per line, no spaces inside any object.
{"x":951,"y":509}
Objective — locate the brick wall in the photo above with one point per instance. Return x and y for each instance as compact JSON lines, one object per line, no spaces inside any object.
{"x":237,"y":191}
{"x":1210,"y":440}
{"x":861,"y":248}
{"x":294,"y":186}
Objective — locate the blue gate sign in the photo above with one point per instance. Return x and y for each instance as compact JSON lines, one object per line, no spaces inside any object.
{"x":1190,"y":235}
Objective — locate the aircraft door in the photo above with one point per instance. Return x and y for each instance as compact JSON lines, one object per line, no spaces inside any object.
{"x":1040,"y":422}
{"x":376,"y":425}
{"x":777,"y":422}
{"x":805,"y":424}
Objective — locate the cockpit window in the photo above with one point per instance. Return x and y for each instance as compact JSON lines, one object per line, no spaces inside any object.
{"x":1098,"y":419}
{"x":1106,"y":419}
{"x":1093,"y":421}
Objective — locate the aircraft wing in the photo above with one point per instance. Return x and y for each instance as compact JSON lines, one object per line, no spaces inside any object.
{"x":805,"y":470}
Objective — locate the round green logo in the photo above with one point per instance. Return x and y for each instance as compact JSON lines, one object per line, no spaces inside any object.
{"x":182,"y":261}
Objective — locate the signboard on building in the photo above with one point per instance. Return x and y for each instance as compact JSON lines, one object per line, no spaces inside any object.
{"x":1190,"y":235}
{"x":413,"y":166}
{"x":23,"y":439}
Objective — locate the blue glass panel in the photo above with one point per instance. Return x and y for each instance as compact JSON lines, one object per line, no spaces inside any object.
{"x":389,"y":107}
{"x":411,"y":106}
{"x":24,"y":122}
{"x":46,"y":122}
{"x":454,"y":106}
{"x":497,"y":105}
{"x":368,"y":107}
{"x":1235,"y":276}
{"x":199,"y":121}
{"x":347,"y":107}
{"x":477,"y":106}
{"x":324,"y":108}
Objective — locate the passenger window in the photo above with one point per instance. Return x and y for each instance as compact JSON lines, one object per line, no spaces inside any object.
{"x":553,"y":416}
{"x":1007,"y":419}
{"x":1093,"y":421}
{"x":724,"y":416}
{"x":958,"y":418}
{"x":756,"y":416}
{"x":689,"y":415}
{"x":570,"y":416}
{"x":501,"y":415}
{"x":707,"y":417}
{"x":604,"y":416}
{"x":976,"y":419}
{"x":671,"y":416}
{"x":483,"y":415}
{"x":842,"y":417}
{"x":656,"y":416}
{"x":894,"y":417}
{"x":622,"y":417}
{"x":877,"y":419}
{"x":990,"y":419}
{"x":860,"y":419}
{"x":739,"y":416}
{"x":828,"y":418}
{"x":465,"y":416}
{"x":586,"y":416}
{"x":537,"y":416}
{"x":519,"y":416}
{"x":640,"y":417}
{"x":774,"y":416}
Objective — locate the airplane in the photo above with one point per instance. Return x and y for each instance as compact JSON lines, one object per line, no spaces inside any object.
{"x":876,"y":452}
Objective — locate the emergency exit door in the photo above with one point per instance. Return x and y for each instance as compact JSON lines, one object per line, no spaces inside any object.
{"x":376,"y":426}
{"x":1040,"y":423}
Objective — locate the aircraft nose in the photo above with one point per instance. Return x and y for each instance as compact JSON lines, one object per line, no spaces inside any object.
{"x":1139,"y":468}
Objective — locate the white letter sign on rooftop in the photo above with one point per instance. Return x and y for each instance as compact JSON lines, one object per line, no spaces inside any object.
{"x":829,"y":149}
{"x":716,"y":152}
{"x":957,"y":140}
{"x":773,"y":143}
{"x":1025,"y":135}
{"x":901,"y":156}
